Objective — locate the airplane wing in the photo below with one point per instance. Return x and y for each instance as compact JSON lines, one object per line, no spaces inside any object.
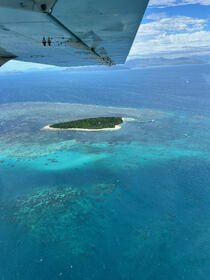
{"x":69,"y":32}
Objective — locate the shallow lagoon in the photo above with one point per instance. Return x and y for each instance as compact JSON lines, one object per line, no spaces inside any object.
{"x":125,"y":204}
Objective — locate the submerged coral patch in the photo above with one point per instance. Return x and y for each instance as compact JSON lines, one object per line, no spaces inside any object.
{"x":58,"y":215}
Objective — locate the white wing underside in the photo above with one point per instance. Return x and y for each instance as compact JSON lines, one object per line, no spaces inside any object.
{"x":80,"y":32}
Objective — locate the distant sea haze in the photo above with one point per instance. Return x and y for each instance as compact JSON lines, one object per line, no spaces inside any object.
{"x":182,"y":88}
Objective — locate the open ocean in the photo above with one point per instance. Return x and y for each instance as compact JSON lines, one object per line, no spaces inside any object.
{"x":128,"y":204}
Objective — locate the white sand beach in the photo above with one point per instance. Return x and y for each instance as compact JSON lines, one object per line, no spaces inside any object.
{"x":47,"y":127}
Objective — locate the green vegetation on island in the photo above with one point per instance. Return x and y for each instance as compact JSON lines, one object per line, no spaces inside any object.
{"x":90,"y":123}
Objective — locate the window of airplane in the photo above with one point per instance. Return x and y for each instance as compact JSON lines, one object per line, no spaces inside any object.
{"x":105,"y":171}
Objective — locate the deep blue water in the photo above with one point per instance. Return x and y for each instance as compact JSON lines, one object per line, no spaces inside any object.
{"x":124,"y":205}
{"x":183,"y":88}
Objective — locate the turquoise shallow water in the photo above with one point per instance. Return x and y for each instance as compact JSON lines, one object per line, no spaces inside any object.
{"x":127,"y":204}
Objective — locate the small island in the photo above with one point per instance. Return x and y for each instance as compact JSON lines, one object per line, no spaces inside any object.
{"x":89,"y":124}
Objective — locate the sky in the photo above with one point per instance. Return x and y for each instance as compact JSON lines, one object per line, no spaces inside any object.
{"x":170,"y":28}
{"x":174,"y":28}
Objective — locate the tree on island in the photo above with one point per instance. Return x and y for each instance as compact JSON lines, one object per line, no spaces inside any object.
{"x":90,"y":123}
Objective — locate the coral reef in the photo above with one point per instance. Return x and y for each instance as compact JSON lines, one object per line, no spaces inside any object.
{"x":59,"y":215}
